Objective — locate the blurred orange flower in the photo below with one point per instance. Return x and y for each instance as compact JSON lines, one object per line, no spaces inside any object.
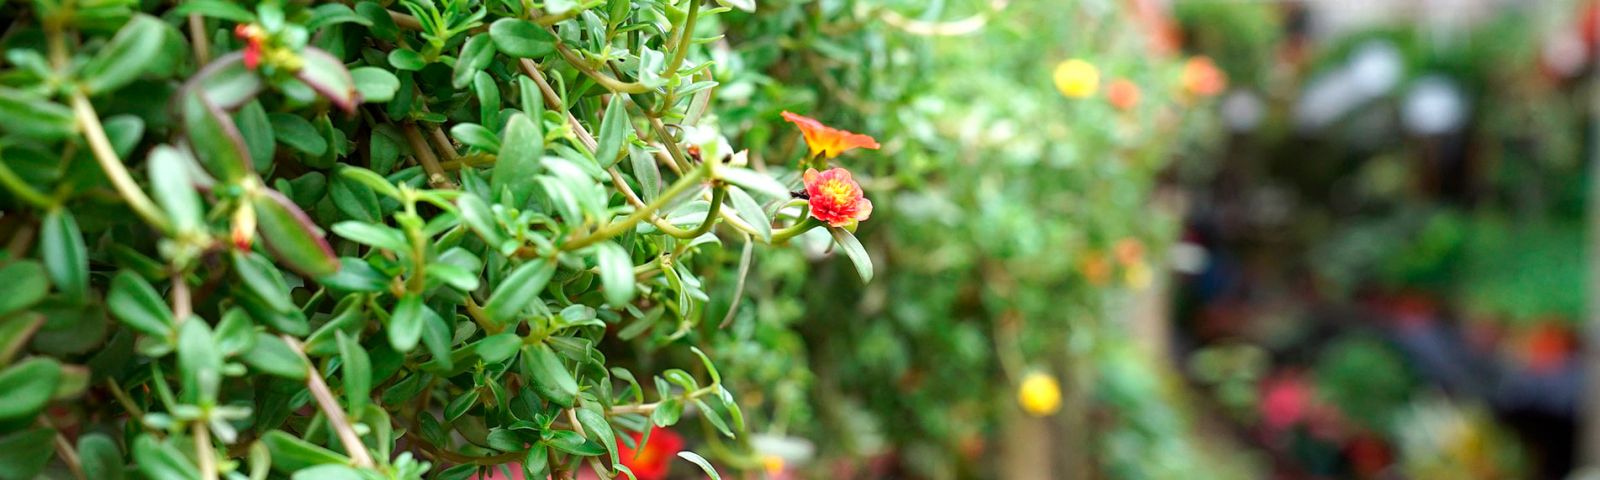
{"x":1123,"y":94}
{"x":651,"y":461}
{"x":1202,"y":77}
{"x":1128,"y":250}
{"x":826,"y":140}
{"x":253,"y":37}
{"x":836,"y":198}
{"x":1096,"y":269}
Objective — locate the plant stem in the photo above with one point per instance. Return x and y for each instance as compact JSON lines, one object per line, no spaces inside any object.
{"x":425,"y":157}
{"x":803,"y":226}
{"x":22,"y":190}
{"x":618,"y":227}
{"x":330,"y":408}
{"x":202,"y":449}
{"x":125,"y":401}
{"x":64,"y":449}
{"x":100,"y":145}
{"x":197,"y":34}
{"x":607,"y":81}
{"x":685,"y":39}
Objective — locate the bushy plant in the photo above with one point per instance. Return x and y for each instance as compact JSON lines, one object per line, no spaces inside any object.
{"x":373,"y":240}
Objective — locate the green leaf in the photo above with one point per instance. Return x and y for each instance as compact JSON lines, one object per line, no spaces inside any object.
{"x":15,"y":332}
{"x":549,"y":378}
{"x":137,"y":304}
{"x":355,"y":200}
{"x":405,"y":324}
{"x":333,"y":14}
{"x":328,"y":472}
{"x":215,"y":9}
{"x":667,"y":412}
{"x":460,"y":405}
{"x":476,"y":136}
{"x":235,"y":333}
{"x":477,"y":215}
{"x":126,"y":56}
{"x":357,"y":373}
{"x":403,"y":59}
{"x":64,"y":254}
{"x":517,"y":290}
{"x":26,"y":387}
{"x":99,"y":457}
{"x":746,"y":5}
{"x":169,"y":181}
{"x":380,"y":236}
{"x":476,"y":53}
{"x":382,"y":25}
{"x":371,"y":179}
{"x":714,"y":417}
{"x":327,"y":75}
{"x":570,"y":442}
{"x":198,"y":359}
{"x":292,"y":237}
{"x":356,"y":275}
{"x":24,"y":454}
{"x":521,"y":38}
{"x":436,"y":336}
{"x":272,"y":356}
{"x":263,"y":279}
{"x":751,"y":212}
{"x":518,"y":161}
{"x":34,"y":116}
{"x":616,"y":273}
{"x":298,"y":133}
{"x":375,"y":84}
{"x":754,"y":182}
{"x":488,"y":92}
{"x":700,"y":461}
{"x":215,"y":139}
{"x":852,"y":248}
{"x":291,"y":454}
{"x":645,"y":172}
{"x":613,"y":132}
{"x":497,"y":348}
{"x":256,"y":128}
{"x":226,"y":82}
{"x":599,"y":430}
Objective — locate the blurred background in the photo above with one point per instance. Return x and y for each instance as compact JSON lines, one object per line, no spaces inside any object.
{"x":1148,"y":239}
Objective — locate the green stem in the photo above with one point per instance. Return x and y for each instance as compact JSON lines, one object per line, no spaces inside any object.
{"x":803,"y":226}
{"x":22,"y":190}
{"x":617,"y":228}
{"x":685,"y":39}
{"x":115,"y":171}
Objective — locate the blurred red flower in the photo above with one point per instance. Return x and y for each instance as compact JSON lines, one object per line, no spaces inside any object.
{"x":828,"y":141}
{"x":835,"y":198}
{"x":1123,"y":94}
{"x":253,"y":37}
{"x":653,"y":460}
{"x":1202,"y":77}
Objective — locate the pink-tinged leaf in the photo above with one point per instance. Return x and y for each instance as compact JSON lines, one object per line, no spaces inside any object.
{"x":292,"y":237}
{"x":327,"y":75}
{"x":226,"y":82}
{"x":215,"y":139}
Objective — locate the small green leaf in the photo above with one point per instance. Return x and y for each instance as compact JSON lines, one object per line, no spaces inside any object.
{"x":272,"y":356}
{"x":549,"y":378}
{"x":65,"y":257}
{"x":215,"y":139}
{"x":357,"y":373}
{"x":355,"y":199}
{"x":291,"y":454}
{"x":436,"y":336}
{"x":226,"y":82}
{"x":169,"y":180}
{"x":570,"y":442}
{"x":375,"y":84}
{"x":99,"y":457}
{"x":292,"y":237}
{"x":460,"y":405}
{"x":476,"y":136}
{"x":517,"y":290}
{"x":518,"y":161}
{"x":521,"y":38}
{"x":476,"y":53}
{"x":477,"y":215}
{"x":700,"y":461}
{"x":403,"y":59}
{"x":613,"y":132}
{"x":263,"y":279}
{"x":26,"y":387}
{"x":256,"y":128}
{"x":751,"y":212}
{"x":371,"y":179}
{"x":198,"y":359}
{"x":852,"y":248}
{"x":31,"y":115}
{"x":370,"y":234}
{"x":497,"y":348}
{"x":599,"y":430}
{"x":220,"y":9}
{"x":616,"y":273}
{"x":235,"y":333}
{"x":298,"y":133}
{"x":667,"y":412}
{"x":754,"y":182}
{"x":333,"y":14}
{"x":405,"y":324}
{"x":126,"y":56}
{"x":137,"y":304}
{"x":24,"y":454}
{"x":328,"y":472}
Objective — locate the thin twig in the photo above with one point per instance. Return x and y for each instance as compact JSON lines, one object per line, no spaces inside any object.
{"x":424,"y":154}
{"x":202,"y":447}
{"x":197,"y":34}
{"x":330,"y":408}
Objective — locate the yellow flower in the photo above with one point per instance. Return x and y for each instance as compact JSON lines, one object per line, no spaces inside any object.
{"x":1039,"y":394}
{"x":1076,"y":78}
{"x":773,"y":464}
{"x":1139,"y":276}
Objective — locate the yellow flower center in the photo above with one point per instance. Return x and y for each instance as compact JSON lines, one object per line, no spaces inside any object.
{"x":838,"y":192}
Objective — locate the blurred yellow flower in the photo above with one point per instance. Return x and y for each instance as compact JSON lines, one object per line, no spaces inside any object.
{"x":773,"y":464}
{"x":1138,"y":275}
{"x":1076,"y":78}
{"x":1039,"y":394}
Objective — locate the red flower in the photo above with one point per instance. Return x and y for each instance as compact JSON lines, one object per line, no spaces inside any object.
{"x":652,"y":460}
{"x":836,"y":199}
{"x":827,"y":140}
{"x":1202,"y":77}
{"x":253,"y":37}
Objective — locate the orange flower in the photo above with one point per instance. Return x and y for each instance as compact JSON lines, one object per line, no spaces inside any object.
{"x":1202,"y":77}
{"x":827,"y":140}
{"x":1123,"y":94}
{"x":1128,"y":250}
{"x":253,"y":37}
{"x":1096,"y":269}
{"x":651,"y":461}
{"x":835,"y":198}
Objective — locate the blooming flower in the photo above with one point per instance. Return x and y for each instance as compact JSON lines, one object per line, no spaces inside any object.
{"x":826,"y":140}
{"x":1076,"y":78}
{"x":254,"y":38}
{"x":1202,"y":77}
{"x":1095,"y":268}
{"x":835,"y":198}
{"x":1123,"y":94}
{"x":651,"y":461}
{"x":1039,"y":394}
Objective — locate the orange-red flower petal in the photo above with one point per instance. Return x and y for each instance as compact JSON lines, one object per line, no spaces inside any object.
{"x":828,"y":141}
{"x":836,"y":198}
